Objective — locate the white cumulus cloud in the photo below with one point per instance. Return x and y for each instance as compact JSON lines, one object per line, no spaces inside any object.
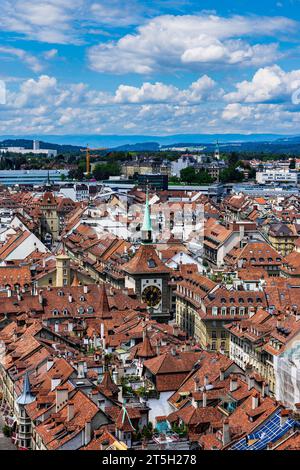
{"x":190,"y":42}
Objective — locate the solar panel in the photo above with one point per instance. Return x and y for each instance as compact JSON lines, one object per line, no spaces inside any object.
{"x":269,"y":431}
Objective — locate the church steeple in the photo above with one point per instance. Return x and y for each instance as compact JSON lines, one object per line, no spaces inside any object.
{"x":147,"y":225}
{"x":217,"y":151}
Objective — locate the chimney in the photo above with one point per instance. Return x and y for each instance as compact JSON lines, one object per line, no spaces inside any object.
{"x":255,"y":400}
{"x":175,"y":330}
{"x":70,"y":411}
{"x":41,"y":297}
{"x":115,"y":376}
{"x":70,"y":298}
{"x":222,"y":374}
{"x":85,"y":289}
{"x":196,"y":381}
{"x":102,"y":330}
{"x":120,"y":394}
{"x":226,"y":432}
{"x":50,"y":363}
{"x":80,"y":370}
{"x":61,"y":398}
{"x":250,"y":382}
{"x":264,"y":389}
{"x":204,"y":398}
{"x":55,"y":382}
{"x":158,"y":348}
{"x":70,"y":326}
{"x":233,"y":383}
{"x":56,"y":327}
{"x":173,"y":351}
{"x":284,"y":415}
{"x":206,"y":381}
{"x":87,"y":433}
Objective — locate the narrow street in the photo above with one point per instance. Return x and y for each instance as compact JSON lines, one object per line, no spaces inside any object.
{"x":5,"y":442}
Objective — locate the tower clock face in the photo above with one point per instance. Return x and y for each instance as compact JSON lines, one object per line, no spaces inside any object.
{"x":151,"y":295}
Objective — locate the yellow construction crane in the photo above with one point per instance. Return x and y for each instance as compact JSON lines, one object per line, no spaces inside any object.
{"x":88,"y":157}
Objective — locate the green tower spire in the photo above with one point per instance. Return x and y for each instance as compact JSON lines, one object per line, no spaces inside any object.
{"x":147,"y":226}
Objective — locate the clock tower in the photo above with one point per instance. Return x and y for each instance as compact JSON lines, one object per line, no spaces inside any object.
{"x":147,"y":275}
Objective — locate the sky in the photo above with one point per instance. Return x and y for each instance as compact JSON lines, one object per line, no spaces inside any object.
{"x":157,"y":67}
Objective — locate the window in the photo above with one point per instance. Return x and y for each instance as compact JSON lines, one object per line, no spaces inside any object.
{"x":241,"y":310}
{"x":65,"y":282}
{"x":55,"y":312}
{"x":90,"y":310}
{"x":80,"y":310}
{"x":223,"y":311}
{"x":214,"y":335}
{"x":213,"y":346}
{"x":232,"y":310}
{"x":151,"y":263}
{"x":215,"y":310}
{"x":65,"y":311}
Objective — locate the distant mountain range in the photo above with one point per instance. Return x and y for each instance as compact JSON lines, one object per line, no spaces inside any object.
{"x":273,"y":143}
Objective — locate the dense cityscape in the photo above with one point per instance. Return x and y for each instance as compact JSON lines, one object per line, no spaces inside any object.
{"x":149,"y":232}
{"x":152,"y":313}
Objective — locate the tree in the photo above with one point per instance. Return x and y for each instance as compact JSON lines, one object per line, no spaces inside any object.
{"x":292,"y":164}
{"x":104,"y":171}
{"x":188,"y":174}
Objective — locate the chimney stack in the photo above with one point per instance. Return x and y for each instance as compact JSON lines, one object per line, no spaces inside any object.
{"x":264,"y":389}
{"x":284,"y":415}
{"x":204,"y":398}
{"x":255,"y":400}
{"x":70,"y":411}
{"x":85,"y":289}
{"x":222,"y":374}
{"x":80,"y":370}
{"x":70,"y":298}
{"x":233,"y":383}
{"x":87,"y":433}
{"x":206,"y":381}
{"x":250,"y":382}
{"x":196,"y":381}
{"x":61,"y":398}
{"x":41,"y":297}
{"x":226,"y":432}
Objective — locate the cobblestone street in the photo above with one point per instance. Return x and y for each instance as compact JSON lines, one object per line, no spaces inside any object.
{"x":5,"y":442}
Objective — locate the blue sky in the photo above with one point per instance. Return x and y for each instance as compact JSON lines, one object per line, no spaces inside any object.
{"x":150,"y":67}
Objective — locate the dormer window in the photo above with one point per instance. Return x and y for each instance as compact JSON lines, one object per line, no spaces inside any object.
{"x":90,"y":310}
{"x":65,"y":311}
{"x":80,"y":310}
{"x":60,"y":293}
{"x":151,"y":263}
{"x":55,"y":312}
{"x":82,"y":298}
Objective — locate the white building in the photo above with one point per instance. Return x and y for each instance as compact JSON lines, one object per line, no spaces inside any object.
{"x":36,"y":150}
{"x":277,"y":176}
